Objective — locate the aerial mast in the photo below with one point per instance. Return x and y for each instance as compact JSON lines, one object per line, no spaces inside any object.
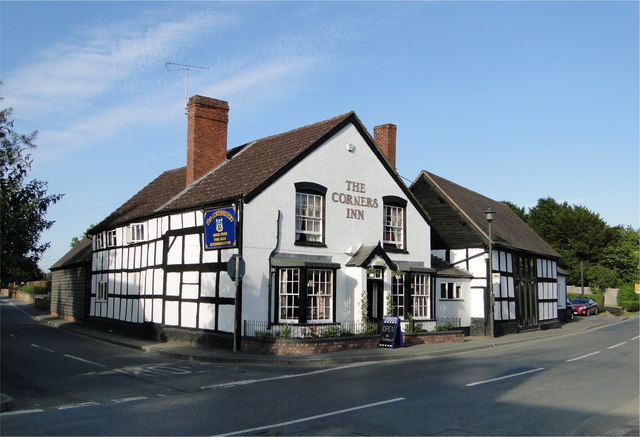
{"x":172,"y":66}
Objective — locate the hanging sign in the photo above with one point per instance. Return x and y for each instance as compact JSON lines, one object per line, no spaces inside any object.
{"x":391,"y":335}
{"x":220,"y":228}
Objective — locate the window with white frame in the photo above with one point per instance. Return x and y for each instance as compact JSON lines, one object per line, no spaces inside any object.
{"x":309,"y":217}
{"x":394,"y":222}
{"x":397,"y":295}
{"x":112,"y":238}
{"x":319,"y":295}
{"x":100,"y":240}
{"x":136,"y":232}
{"x":289,"y":292}
{"x":305,"y":295}
{"x":420,"y":285}
{"x":450,"y":290}
{"x":101,"y":292}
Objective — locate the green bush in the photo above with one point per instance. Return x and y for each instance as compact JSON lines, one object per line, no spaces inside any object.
{"x":626,"y":293}
{"x":446,"y":326}
{"x":631,"y":307}
{"x":35,"y":289}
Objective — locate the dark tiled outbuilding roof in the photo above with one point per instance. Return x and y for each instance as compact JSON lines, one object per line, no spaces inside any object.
{"x":458,"y":218}
{"x":78,"y":255}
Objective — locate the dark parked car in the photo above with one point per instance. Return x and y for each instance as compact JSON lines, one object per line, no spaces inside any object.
{"x":569,"y":310}
{"x":584,"y":306}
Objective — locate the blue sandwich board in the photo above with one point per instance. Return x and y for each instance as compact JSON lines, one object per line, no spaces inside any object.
{"x":391,"y":335}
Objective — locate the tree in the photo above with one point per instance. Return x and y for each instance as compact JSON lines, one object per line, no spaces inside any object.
{"x":23,"y":204}
{"x":519,"y":210}
{"x":76,"y":240}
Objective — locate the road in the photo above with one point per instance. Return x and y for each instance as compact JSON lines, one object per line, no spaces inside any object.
{"x":64,"y":384}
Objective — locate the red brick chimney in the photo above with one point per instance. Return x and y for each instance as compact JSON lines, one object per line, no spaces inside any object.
{"x":207,"y":121}
{"x":385,"y":138}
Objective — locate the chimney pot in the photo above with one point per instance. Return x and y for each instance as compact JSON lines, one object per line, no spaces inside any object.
{"x":385,"y":138}
{"x":207,"y":121}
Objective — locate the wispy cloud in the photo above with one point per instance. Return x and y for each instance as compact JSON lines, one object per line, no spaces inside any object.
{"x":100,"y":59}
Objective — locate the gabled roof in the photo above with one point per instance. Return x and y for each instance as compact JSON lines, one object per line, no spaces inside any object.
{"x":247,"y":170}
{"x":78,"y":255}
{"x":458,"y":218}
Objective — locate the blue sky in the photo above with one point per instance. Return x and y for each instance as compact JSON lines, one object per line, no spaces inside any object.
{"x":515,"y":100}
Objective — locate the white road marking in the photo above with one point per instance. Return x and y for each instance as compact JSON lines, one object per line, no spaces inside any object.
{"x":131,"y":399}
{"x":82,"y":405}
{"x":504,"y":377}
{"x":15,"y":413}
{"x":276,"y":378}
{"x":635,"y":338}
{"x":616,"y":345}
{"x":583,"y":356}
{"x":42,"y":347}
{"x":319,"y":416}
{"x":84,"y":361}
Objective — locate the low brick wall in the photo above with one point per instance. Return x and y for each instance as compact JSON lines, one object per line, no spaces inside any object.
{"x":324,"y":345}
{"x":433,"y":337}
{"x":307,"y":346}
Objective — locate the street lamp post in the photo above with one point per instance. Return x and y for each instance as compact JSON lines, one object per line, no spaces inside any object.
{"x":489,"y":216}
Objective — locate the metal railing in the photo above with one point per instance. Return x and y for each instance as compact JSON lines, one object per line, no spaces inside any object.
{"x":265,"y":330}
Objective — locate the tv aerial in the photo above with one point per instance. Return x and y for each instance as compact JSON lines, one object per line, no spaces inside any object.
{"x":172,"y":66}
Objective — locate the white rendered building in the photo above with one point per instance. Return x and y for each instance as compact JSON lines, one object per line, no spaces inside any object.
{"x":328,"y":232}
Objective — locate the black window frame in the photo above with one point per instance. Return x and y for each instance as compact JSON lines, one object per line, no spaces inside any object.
{"x":318,"y":190}
{"x":302,"y":318}
{"x":397,"y":202}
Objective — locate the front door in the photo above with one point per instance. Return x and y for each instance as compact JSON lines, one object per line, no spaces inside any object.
{"x":375,"y":307}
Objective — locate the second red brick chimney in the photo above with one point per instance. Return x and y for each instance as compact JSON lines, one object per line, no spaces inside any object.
{"x":207,"y":121}
{"x":385,"y":138}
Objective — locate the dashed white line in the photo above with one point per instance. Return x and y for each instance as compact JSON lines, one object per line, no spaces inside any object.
{"x":505,"y":377}
{"x":82,"y":405}
{"x":42,"y":347}
{"x":616,"y":345}
{"x":131,"y":399}
{"x":635,"y":338}
{"x":84,"y":361}
{"x":583,"y":356}
{"x":319,"y":416}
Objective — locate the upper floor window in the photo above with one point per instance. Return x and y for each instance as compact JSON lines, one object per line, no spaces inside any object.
{"x":99,"y":241}
{"x":136,"y":233}
{"x":394,"y":222}
{"x":310,"y":199}
{"x":112,"y":239}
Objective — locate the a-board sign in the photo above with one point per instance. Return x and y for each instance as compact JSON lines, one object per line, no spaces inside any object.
{"x":220,"y":228}
{"x":391,"y":334}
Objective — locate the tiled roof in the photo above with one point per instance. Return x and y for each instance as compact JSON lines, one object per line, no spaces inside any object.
{"x":147,"y":201}
{"x":458,"y":218}
{"x":260,"y":161}
{"x":246,"y":170}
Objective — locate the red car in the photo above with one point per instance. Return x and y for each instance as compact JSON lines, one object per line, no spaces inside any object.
{"x":584,"y":306}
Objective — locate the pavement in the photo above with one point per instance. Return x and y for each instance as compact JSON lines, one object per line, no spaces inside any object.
{"x":206,"y":353}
